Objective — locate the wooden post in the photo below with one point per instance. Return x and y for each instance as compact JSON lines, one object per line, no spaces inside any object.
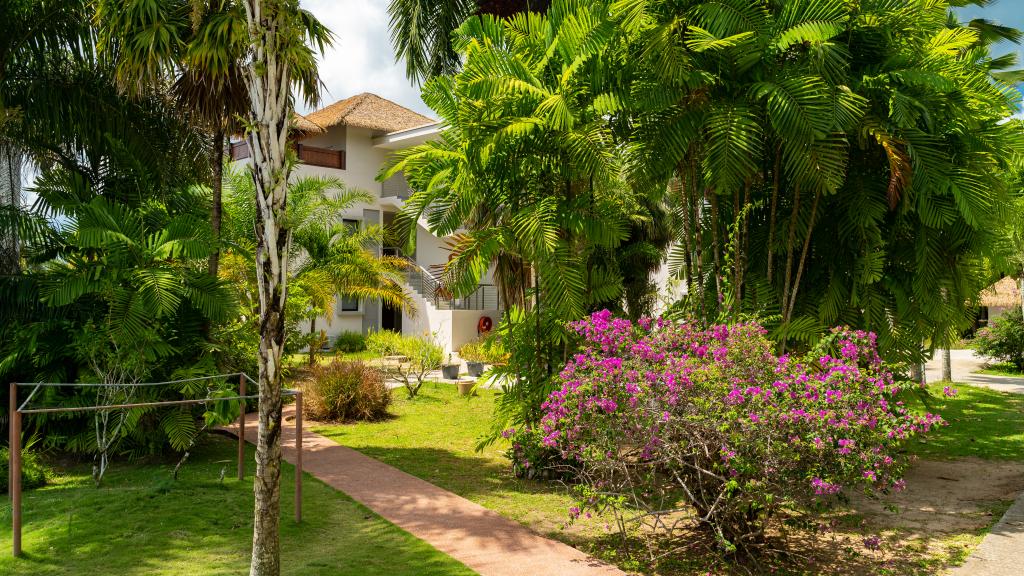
{"x":241,"y":428}
{"x":298,"y":457}
{"x":15,"y":466}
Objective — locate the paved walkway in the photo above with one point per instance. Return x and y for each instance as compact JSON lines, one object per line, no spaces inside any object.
{"x":1001,"y":552}
{"x":964,"y":363}
{"x":481,"y":539}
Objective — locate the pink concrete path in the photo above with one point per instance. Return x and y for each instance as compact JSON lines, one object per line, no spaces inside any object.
{"x":483,"y":540}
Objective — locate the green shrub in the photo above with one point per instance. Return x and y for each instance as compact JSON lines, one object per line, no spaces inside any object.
{"x":384,"y":343}
{"x":1003,"y":340}
{"x":473,"y":351}
{"x":349,"y":342}
{"x":344,"y":391}
{"x":422,"y":355}
{"x":33,"y":472}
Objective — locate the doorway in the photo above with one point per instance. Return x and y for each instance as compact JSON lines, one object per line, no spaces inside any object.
{"x":390,"y":318}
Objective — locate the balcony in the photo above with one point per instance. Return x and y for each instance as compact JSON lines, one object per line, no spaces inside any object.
{"x":310,"y":155}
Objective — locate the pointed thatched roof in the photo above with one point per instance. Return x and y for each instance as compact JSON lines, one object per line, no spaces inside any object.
{"x":1004,"y":293}
{"x":370,"y":111}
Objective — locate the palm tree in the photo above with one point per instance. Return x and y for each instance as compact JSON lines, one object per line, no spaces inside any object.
{"x":526,"y":177}
{"x":197,"y":47}
{"x":822,"y":162}
{"x":278,"y":31}
{"x":331,"y":259}
{"x":39,"y":35}
{"x":421,"y":30}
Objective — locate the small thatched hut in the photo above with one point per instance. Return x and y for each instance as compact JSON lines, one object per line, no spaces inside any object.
{"x":999,"y":298}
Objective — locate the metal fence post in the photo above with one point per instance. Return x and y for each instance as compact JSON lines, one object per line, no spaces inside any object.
{"x":298,"y":457}
{"x":241,"y":428}
{"x":15,"y":466}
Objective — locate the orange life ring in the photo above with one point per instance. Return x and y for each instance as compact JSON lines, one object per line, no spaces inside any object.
{"x":484,"y":325}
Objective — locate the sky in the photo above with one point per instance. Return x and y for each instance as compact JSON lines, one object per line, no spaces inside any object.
{"x":362,"y":59}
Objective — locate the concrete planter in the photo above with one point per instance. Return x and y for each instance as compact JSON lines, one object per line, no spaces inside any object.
{"x":450,"y":371}
{"x":475,"y":369}
{"x":465,"y":388}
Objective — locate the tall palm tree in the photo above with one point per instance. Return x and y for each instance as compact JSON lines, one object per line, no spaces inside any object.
{"x":278,"y":33}
{"x":198,"y":48}
{"x":822,"y":158}
{"x":527,"y":177}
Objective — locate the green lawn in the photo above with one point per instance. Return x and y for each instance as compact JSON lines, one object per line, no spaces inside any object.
{"x":1000,"y":369}
{"x":983,"y":423}
{"x":141,"y":522}
{"x":433,"y":437}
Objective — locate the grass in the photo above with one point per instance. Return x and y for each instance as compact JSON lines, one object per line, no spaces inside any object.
{"x":433,"y":437}
{"x":984,"y":424}
{"x":140,"y":521}
{"x":1000,"y":369}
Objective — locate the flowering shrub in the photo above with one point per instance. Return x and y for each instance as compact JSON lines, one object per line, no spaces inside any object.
{"x":531,"y":458}
{"x":663,"y":416}
{"x":1004,"y":339}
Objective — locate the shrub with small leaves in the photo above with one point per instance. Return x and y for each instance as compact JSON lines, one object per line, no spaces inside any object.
{"x":33,"y":472}
{"x":664,"y":416}
{"x":1003,"y":340}
{"x":345,"y":391}
{"x":349,"y":341}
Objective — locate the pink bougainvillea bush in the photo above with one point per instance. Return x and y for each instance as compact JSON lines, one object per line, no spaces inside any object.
{"x":666,"y":421}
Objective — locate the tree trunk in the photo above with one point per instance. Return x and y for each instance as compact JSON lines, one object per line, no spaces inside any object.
{"x":217,"y":187}
{"x":312,"y":351}
{"x":10,"y":198}
{"x":947,"y":366}
{"x":1022,"y":294}
{"x":267,"y":78}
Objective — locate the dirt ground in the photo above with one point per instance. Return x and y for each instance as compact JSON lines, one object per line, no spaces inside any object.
{"x":932,"y":525}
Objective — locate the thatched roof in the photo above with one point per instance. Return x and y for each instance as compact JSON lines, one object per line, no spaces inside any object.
{"x":304,"y":125}
{"x":1004,"y":293}
{"x":368,"y":111}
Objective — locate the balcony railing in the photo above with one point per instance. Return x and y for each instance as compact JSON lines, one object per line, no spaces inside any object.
{"x":485,"y":297}
{"x":311,"y":155}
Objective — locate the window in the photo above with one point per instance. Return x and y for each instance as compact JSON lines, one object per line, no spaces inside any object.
{"x":349,"y":304}
{"x":351,"y":224}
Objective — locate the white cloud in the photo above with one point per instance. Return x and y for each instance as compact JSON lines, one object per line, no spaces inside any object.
{"x":362,"y":59}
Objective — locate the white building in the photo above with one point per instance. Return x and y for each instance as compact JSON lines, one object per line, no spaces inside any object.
{"x":351,"y":140}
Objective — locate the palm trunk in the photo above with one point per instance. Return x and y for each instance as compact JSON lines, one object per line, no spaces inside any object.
{"x":268,"y":84}
{"x":10,"y":198}
{"x":771,"y":218}
{"x":714,"y":245}
{"x":789,"y":249}
{"x":947,"y":366}
{"x":803,"y":259}
{"x":217,"y":187}
{"x":312,"y":348}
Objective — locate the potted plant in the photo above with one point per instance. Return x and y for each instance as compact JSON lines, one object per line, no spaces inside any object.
{"x":450,"y":370}
{"x":473,"y":354}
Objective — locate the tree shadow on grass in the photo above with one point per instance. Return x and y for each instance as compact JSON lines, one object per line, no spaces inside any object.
{"x":142,"y":522}
{"x":981,"y":423}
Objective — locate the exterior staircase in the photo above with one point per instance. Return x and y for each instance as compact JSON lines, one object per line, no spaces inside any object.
{"x":424,"y":283}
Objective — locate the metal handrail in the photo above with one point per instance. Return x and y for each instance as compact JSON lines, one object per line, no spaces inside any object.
{"x":484,"y":297}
